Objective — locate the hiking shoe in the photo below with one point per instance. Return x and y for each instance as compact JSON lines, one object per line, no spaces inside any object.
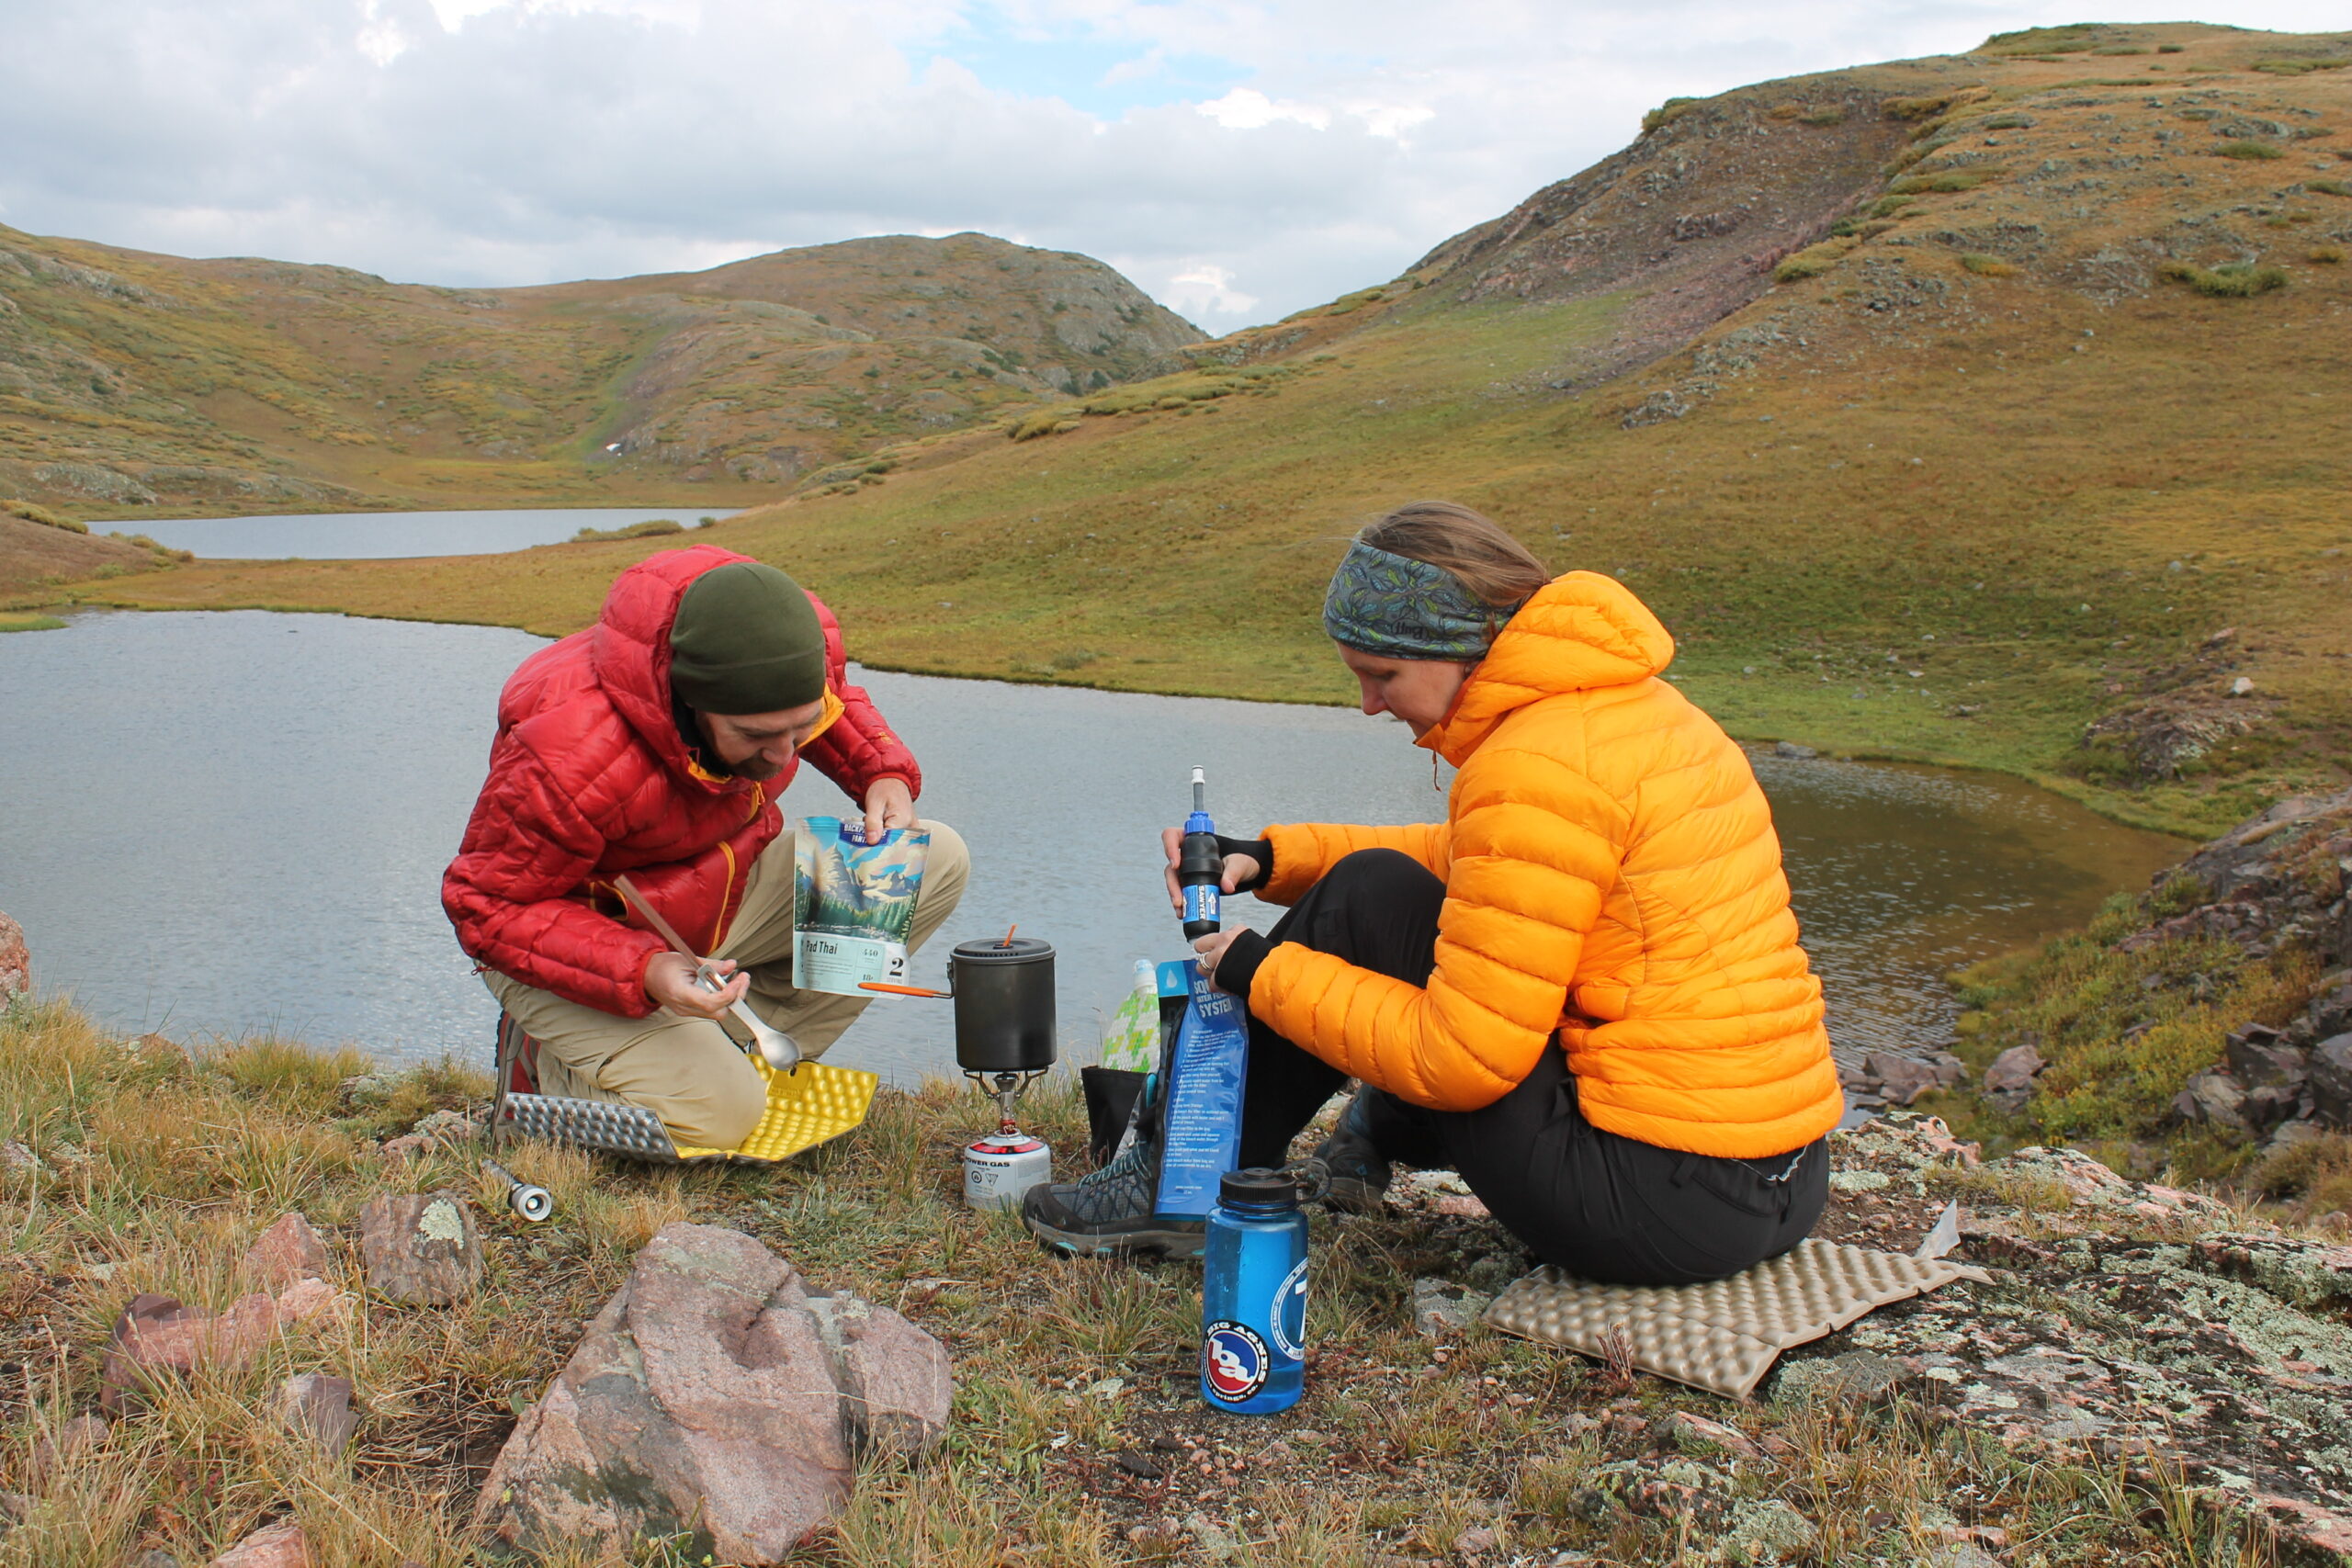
{"x":1109,"y":1213}
{"x":1345,"y":1170}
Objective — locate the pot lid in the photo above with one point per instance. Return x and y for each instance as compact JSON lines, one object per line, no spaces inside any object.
{"x":1019,"y":950}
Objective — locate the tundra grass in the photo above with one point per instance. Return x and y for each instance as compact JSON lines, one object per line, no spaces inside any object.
{"x":1077,"y":1437}
{"x":2122,"y":1031}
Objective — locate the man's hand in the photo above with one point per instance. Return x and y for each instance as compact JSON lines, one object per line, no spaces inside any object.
{"x":670,"y":981}
{"x":1212,"y":949}
{"x":1238,"y":869}
{"x":889,"y":804}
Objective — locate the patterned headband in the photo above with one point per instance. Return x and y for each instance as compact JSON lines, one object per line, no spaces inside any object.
{"x":1393,"y":606}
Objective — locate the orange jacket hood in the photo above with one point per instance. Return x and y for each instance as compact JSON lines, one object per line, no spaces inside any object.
{"x":1580,"y":631}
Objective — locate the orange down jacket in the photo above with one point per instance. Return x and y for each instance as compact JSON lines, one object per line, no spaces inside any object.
{"x":1611,"y":881}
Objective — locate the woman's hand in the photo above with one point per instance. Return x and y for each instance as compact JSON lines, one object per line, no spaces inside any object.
{"x":1238,"y":869}
{"x":1212,"y":947}
{"x":670,"y":982}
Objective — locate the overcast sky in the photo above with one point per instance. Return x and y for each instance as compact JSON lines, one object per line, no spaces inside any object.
{"x":1240,"y":159}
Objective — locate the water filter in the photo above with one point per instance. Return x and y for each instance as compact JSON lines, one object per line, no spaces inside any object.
{"x":1253,"y":1296}
{"x":1199,"y":866}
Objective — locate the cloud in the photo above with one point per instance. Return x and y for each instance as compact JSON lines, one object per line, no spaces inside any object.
{"x":1246,"y":108}
{"x":379,"y":39}
{"x":1239,"y":158}
{"x":1207,"y":292}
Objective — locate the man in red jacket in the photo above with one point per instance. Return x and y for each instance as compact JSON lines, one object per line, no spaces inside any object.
{"x":654,"y":744}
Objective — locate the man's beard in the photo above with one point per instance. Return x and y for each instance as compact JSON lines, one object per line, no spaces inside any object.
{"x":705,"y":738}
{"x":754,"y":768}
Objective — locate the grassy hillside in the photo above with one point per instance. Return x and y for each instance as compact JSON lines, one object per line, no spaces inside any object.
{"x":1951,"y":408}
{"x":35,"y":552}
{"x":132,"y":383}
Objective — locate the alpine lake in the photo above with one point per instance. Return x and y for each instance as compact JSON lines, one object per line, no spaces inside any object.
{"x":222,"y":823}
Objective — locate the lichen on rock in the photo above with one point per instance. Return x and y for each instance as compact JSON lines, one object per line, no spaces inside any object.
{"x":2129,"y":1323}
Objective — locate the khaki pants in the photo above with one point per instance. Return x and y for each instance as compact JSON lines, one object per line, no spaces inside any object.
{"x":686,"y":1069}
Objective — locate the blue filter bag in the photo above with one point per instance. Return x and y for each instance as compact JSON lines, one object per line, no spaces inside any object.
{"x":1201,"y":1131}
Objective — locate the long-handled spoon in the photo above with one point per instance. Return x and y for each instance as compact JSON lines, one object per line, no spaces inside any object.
{"x":777,"y":1048}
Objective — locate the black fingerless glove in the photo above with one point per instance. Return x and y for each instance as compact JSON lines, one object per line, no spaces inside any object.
{"x":1259,"y":849}
{"x":1239,"y":968}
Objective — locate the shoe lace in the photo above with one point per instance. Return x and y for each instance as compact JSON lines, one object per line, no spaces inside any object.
{"x":1126,"y":1187}
{"x":1313,"y":1175}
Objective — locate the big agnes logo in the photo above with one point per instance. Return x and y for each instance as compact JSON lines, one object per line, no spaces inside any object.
{"x":1233,"y":1361}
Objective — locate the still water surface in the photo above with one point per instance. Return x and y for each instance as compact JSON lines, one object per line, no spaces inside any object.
{"x":219,"y":823}
{"x":355,"y":535}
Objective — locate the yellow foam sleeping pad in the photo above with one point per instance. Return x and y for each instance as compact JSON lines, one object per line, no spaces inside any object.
{"x":806,"y":1106}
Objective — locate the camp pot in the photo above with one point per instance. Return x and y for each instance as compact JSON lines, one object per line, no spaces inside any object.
{"x":1004,"y":1004}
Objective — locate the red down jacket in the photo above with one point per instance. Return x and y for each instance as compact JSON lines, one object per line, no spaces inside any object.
{"x":589,"y":778}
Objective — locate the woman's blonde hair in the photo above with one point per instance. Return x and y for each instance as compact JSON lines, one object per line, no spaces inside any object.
{"x":1487,"y":561}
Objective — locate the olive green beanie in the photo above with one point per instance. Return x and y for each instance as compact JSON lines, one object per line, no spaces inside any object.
{"x":746,"y":640}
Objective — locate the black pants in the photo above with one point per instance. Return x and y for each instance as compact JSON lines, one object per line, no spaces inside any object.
{"x":1595,"y":1203}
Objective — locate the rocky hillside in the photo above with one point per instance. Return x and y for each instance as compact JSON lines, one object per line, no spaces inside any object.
{"x":1986,"y":408}
{"x":1708,"y":210}
{"x":2206,"y":1026}
{"x":132,"y":382}
{"x":1678,"y":231}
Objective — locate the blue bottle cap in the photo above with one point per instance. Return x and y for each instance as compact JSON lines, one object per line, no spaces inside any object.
{"x":1198,"y":822}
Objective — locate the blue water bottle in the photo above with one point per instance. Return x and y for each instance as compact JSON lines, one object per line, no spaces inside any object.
{"x":1253,"y":1299}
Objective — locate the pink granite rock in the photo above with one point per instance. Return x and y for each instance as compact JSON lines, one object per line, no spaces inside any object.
{"x":2008,"y":1082}
{"x":419,"y":1249}
{"x":309,"y":1298}
{"x":288,"y":1250}
{"x":1460,"y":1206}
{"x":894,"y":1378}
{"x":278,"y":1545}
{"x":713,"y":1397}
{"x":319,"y":1408}
{"x":158,"y":1334}
{"x":1901,"y":1079}
{"x":16,"y":960}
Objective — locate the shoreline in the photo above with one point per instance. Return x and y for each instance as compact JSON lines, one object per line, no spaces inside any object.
{"x":2114,"y":806}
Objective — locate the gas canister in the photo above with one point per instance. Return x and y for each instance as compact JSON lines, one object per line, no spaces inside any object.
{"x":1002,"y":1166}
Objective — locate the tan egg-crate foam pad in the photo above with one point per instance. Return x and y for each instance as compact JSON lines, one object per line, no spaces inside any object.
{"x":1722,"y":1336}
{"x":805,"y":1107}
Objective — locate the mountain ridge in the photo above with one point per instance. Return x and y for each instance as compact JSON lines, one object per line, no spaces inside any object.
{"x":132,"y":380}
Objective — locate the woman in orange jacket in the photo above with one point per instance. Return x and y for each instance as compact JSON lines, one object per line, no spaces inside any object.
{"x":1582,"y":991}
